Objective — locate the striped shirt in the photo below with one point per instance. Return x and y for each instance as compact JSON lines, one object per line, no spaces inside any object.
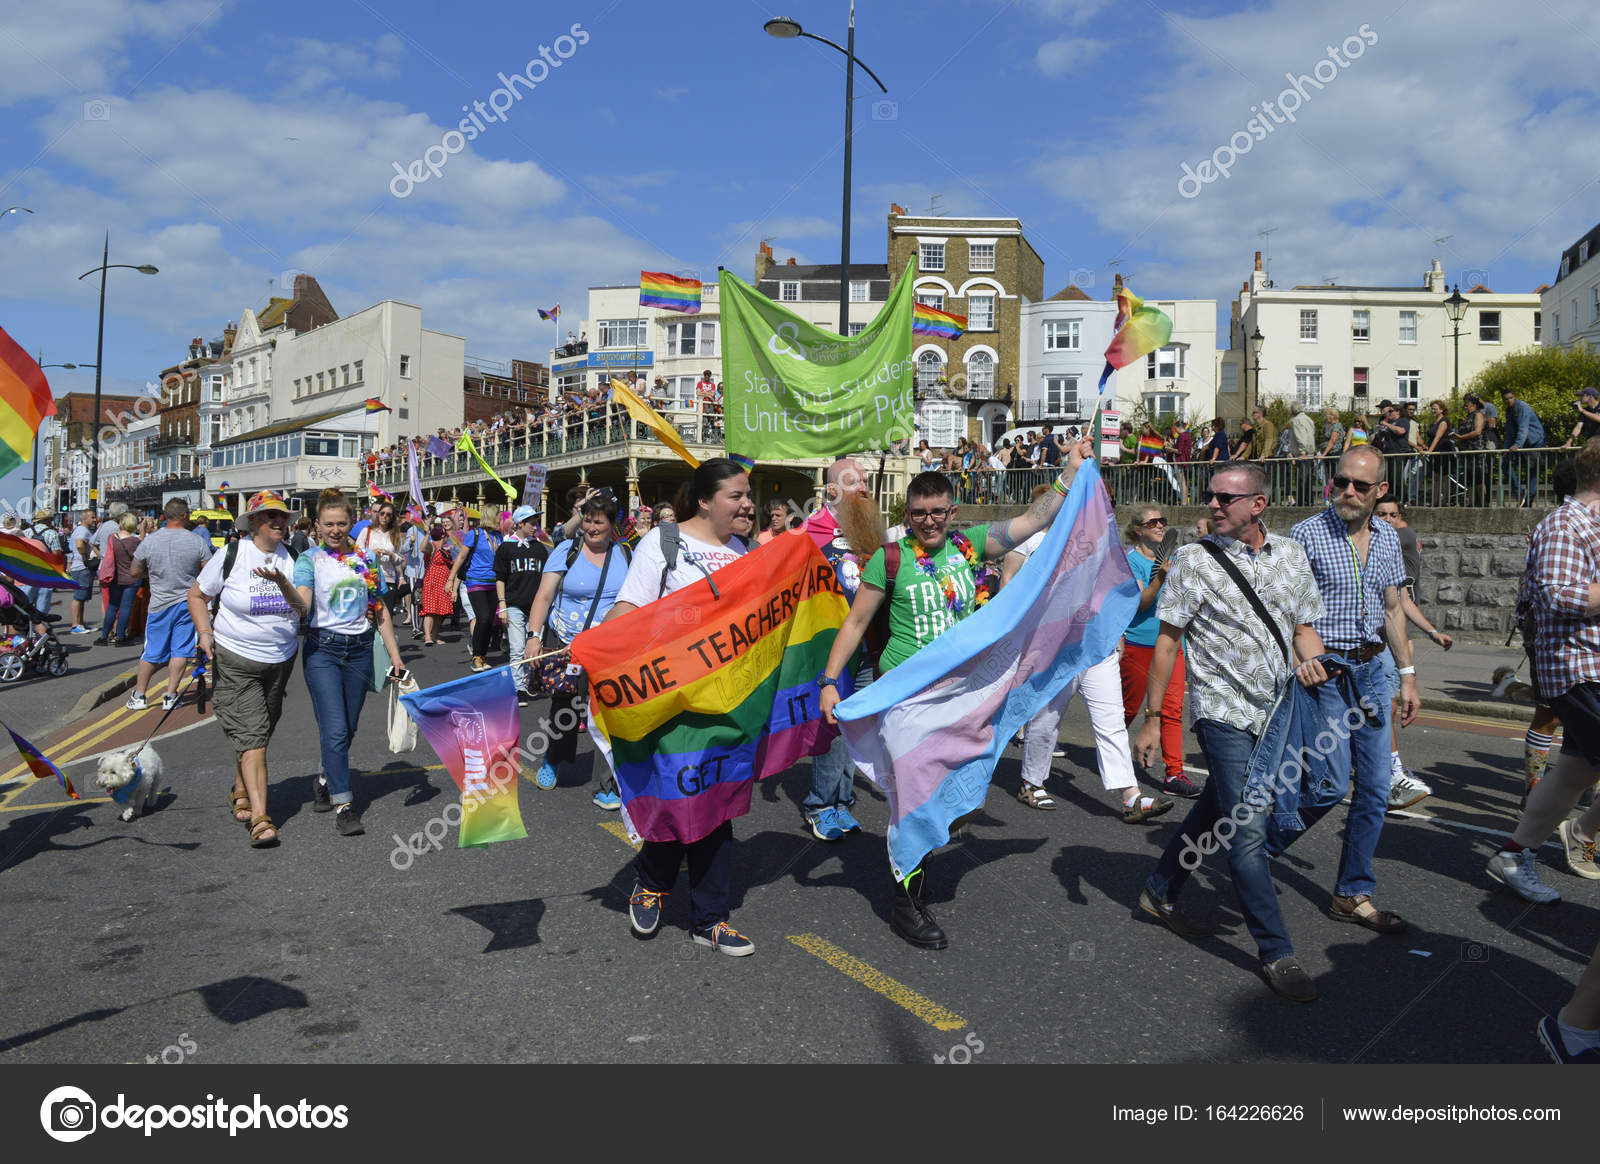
{"x":1352,"y":593}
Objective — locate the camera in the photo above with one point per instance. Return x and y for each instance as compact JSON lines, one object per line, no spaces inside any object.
{"x":72,"y":1115}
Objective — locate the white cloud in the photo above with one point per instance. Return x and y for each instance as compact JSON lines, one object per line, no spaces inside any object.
{"x":1057,"y":58}
{"x":80,"y":46}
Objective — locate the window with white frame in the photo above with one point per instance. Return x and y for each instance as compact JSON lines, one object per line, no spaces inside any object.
{"x":1566,"y":267}
{"x":1062,"y":335}
{"x":930,"y":366}
{"x":1163,"y":406}
{"x":980,"y":375}
{"x":405,"y":368}
{"x":1555,"y":326}
{"x":1408,"y":386}
{"x":1583,"y":251}
{"x":692,"y":338}
{"x":980,"y":256}
{"x":624,"y":333}
{"x":1594,"y":313}
{"x":789,"y":291}
{"x":1358,"y":385}
{"x":856,"y":329}
{"x":858,"y":290}
{"x":1308,"y":324}
{"x":358,"y":371}
{"x":1061,"y":395}
{"x":1361,"y":325}
{"x":1538,"y":325}
{"x":1308,"y":385}
{"x":933,"y":299}
{"x":322,"y":381}
{"x":1488,"y":327}
{"x":1168,"y":363}
{"x":1230,"y":379}
{"x":1408,"y":327}
{"x":930,"y":256}
{"x":344,"y":371}
{"x":980,"y":312}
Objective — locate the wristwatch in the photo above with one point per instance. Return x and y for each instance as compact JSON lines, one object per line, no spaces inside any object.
{"x":1152,"y":713}
{"x":826,"y":681}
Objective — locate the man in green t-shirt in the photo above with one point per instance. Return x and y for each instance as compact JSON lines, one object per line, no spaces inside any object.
{"x":934,"y":586}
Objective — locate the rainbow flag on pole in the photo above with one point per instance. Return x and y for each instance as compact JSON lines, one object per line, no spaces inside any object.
{"x":657,"y":289}
{"x":373,"y":404}
{"x":25,"y":401}
{"x":40,"y":764}
{"x":474,"y":726}
{"x":698,"y":695}
{"x":553,"y":314}
{"x":927,"y":320}
{"x":24,"y":560}
{"x":1140,"y":330}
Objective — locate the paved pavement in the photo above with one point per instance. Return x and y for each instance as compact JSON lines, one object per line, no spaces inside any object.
{"x":171,"y":937}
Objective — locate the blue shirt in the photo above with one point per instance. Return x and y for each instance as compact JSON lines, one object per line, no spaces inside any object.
{"x":1144,"y":628}
{"x":1352,"y":595}
{"x":1522,"y":426}
{"x":570,"y":610}
{"x":481,"y":544}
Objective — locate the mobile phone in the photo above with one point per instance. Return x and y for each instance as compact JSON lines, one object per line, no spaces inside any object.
{"x":1168,"y":544}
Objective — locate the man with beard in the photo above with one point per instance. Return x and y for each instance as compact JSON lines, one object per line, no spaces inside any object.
{"x":848,"y":529}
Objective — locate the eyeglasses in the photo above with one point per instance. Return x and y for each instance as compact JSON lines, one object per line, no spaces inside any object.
{"x":1152,"y":523}
{"x":927,"y":514}
{"x":1340,"y":484}
{"x":1223,"y":499}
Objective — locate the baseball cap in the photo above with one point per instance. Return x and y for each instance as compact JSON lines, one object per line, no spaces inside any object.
{"x":1591,"y":390}
{"x":523,"y":513}
{"x":1386,"y":404}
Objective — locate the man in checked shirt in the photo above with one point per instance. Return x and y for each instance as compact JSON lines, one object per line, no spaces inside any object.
{"x":1561,"y":595}
{"x":1359,"y":571}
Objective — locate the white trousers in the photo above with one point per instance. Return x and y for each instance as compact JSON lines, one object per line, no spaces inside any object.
{"x":1101,"y":685}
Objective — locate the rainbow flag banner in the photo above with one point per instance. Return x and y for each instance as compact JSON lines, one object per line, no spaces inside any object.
{"x":29,"y":563}
{"x":930,"y":732}
{"x":40,"y":764}
{"x":698,"y":695}
{"x":657,"y":289}
{"x":373,"y":404}
{"x":474,"y":726}
{"x":1140,"y":330}
{"x":927,"y":320}
{"x":25,"y":400}
{"x":553,"y":314}
{"x":1151,"y":446}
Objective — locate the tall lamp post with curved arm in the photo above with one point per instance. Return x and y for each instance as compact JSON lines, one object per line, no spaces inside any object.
{"x":100,"y":355}
{"x":785,"y":29}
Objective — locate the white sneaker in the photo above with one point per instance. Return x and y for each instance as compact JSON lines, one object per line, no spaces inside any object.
{"x":168,"y":702}
{"x":136,"y":702}
{"x":1519,"y":872}
{"x":1406,"y":790}
{"x":1580,"y":854}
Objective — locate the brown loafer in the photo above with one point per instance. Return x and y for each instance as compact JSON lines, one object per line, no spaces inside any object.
{"x":1382,"y":921}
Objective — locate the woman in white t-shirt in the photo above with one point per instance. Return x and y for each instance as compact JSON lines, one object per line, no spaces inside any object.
{"x":252,"y":643}
{"x":344,"y":589}
{"x":716,"y":532}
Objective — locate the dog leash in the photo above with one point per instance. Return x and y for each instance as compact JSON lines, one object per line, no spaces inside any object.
{"x":198,"y":672}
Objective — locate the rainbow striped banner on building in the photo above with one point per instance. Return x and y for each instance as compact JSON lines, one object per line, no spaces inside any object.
{"x":697,"y":695}
{"x":29,"y":563}
{"x":927,"y":320}
{"x":658,"y":289}
{"x":930,"y":732}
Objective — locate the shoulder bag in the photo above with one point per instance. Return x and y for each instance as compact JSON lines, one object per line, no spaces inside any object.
{"x":556,"y":672}
{"x":1250,"y":595}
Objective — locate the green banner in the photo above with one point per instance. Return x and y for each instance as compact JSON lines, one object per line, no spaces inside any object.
{"x":791,"y":389}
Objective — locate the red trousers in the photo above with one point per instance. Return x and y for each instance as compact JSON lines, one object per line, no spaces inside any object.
{"x":1135,"y":684}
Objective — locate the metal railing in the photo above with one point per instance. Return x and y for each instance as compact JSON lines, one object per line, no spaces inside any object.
{"x":1462,"y":480}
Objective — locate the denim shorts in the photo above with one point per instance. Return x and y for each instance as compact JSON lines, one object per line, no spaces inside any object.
{"x":1579,"y":709}
{"x":84,"y":582}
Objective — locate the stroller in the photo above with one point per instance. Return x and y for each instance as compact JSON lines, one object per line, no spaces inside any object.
{"x":20,"y":647}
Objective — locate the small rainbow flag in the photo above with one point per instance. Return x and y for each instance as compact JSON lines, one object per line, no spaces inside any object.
{"x":373,"y":404}
{"x":1140,"y":331}
{"x":713,"y":688}
{"x":1151,"y":446}
{"x":745,"y":463}
{"x":378,"y":494}
{"x":927,"y":320}
{"x":40,"y":764}
{"x":658,"y":289}
{"x":553,"y":314}
{"x":25,"y":400}
{"x":32,"y":565}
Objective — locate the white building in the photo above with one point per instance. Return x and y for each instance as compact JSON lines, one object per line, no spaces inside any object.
{"x":1353,"y":346}
{"x":624,"y":338}
{"x":1571,"y":308}
{"x":126,"y":462}
{"x":1064,"y":339}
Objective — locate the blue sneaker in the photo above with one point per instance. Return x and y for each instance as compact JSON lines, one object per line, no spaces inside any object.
{"x":546,"y":778}
{"x":845,"y":821}
{"x":607,"y":800}
{"x":725,"y":938}
{"x":825,"y":824}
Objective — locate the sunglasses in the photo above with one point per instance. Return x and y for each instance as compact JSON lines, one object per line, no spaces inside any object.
{"x":927,"y":514}
{"x":1153,"y":522}
{"x":1363,"y":487}
{"x":1223,"y":499}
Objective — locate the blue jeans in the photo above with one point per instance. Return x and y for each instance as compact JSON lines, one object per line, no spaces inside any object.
{"x":833,"y":774}
{"x":517,"y":633}
{"x":1530,"y":463}
{"x":119,"y":609}
{"x":338,"y":672}
{"x":1227,"y":752}
{"x":39,"y":597}
{"x":1365,"y":753}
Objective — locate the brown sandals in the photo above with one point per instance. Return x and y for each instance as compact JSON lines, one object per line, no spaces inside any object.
{"x":259,"y":827}
{"x":237,"y":803}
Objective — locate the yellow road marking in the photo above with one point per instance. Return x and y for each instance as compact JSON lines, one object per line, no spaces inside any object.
{"x":896,"y":992}
{"x":104,"y":726}
{"x":614,"y":827}
{"x":56,"y":804}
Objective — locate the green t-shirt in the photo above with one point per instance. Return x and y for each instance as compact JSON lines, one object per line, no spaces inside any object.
{"x":918,"y":612}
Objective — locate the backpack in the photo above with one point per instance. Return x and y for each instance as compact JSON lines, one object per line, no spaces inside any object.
{"x":671,"y":542}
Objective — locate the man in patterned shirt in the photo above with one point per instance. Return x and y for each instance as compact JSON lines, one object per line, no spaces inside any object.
{"x":1235,"y":670}
{"x":1359,"y":571}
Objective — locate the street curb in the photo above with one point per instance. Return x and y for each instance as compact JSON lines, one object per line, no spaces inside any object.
{"x":1513,"y":711}
{"x":104,"y":693}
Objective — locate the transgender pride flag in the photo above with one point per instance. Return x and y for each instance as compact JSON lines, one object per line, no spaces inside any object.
{"x":930,"y":732}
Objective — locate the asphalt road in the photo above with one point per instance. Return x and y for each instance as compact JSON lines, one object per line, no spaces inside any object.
{"x":171,"y":937}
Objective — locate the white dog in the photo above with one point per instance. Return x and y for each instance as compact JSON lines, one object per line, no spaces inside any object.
{"x":130,"y":781}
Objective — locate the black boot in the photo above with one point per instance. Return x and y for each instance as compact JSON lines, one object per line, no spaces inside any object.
{"x":911,"y":919}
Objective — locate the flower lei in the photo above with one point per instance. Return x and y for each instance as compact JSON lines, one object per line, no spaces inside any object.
{"x":926,"y":564}
{"x":358,"y":565}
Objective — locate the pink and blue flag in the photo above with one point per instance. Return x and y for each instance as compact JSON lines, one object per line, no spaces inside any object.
{"x":930,"y":732}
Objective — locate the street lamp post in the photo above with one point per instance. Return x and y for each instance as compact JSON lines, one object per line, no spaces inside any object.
{"x":100,"y":357}
{"x":10,"y":210}
{"x":1456,"y":308}
{"x":785,"y":29}
{"x":1256,"y":340}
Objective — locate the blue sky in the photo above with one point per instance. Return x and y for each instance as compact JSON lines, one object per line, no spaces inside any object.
{"x":233,"y":144}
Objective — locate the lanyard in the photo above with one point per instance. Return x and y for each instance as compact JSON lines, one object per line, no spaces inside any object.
{"x":1360,"y":586}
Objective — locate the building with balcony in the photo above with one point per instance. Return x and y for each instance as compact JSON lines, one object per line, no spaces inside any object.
{"x":811,"y":291}
{"x":1352,"y":346}
{"x":125,"y":465}
{"x":1571,"y":308}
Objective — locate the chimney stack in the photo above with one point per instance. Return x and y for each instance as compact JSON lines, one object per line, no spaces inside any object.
{"x":896,"y":208}
{"x":1258,"y":260}
{"x":789,"y":261}
{"x":764,"y":261}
